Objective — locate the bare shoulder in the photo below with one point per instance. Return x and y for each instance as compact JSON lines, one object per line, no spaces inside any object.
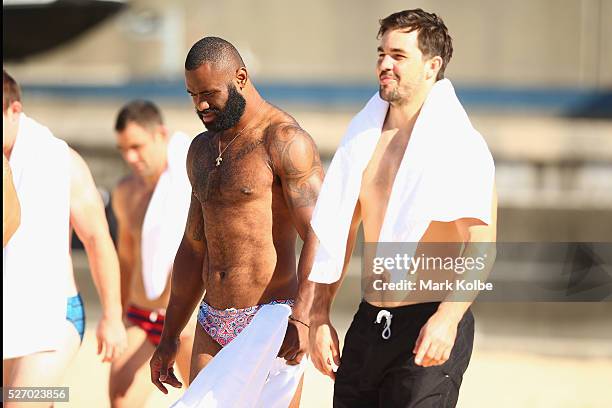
{"x":81,"y":179}
{"x":198,"y":144}
{"x":280,"y":125}
{"x":291,"y":148}
{"x":199,"y":141}
{"x":198,"y":148}
{"x":77,"y":163}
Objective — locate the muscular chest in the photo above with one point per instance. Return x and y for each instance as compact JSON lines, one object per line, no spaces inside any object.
{"x":243,"y":175}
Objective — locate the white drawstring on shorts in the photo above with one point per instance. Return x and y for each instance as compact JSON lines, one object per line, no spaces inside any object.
{"x":387,"y":330}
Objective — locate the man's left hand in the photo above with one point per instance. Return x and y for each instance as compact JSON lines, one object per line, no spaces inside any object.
{"x":295,"y":344}
{"x":435,"y":341}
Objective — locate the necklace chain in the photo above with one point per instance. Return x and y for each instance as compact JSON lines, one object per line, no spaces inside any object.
{"x":219,"y":159}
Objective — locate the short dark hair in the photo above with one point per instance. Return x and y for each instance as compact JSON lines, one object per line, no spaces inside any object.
{"x":213,"y":50}
{"x":143,"y":113}
{"x":433,"y":38}
{"x":10,"y":90}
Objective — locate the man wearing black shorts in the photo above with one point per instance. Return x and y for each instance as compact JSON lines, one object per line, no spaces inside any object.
{"x":411,"y":353}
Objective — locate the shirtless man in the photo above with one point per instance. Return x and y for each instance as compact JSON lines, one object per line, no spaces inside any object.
{"x":11,"y":211}
{"x":35,"y":282}
{"x":255,"y":175}
{"x":143,"y":141}
{"x":410,"y":365}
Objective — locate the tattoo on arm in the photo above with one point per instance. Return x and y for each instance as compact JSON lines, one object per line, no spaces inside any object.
{"x":300,"y":166}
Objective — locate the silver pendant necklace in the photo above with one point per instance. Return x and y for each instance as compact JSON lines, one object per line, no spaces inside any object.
{"x":219,"y":159}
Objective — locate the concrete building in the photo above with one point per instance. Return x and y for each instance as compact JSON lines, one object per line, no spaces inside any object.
{"x":523,"y":43}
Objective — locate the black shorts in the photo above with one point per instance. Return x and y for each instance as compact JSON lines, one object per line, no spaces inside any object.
{"x":375,"y":372}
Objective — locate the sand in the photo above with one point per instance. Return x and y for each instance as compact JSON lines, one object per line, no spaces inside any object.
{"x":494,"y":379}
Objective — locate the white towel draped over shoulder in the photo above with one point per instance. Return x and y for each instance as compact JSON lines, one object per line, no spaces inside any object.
{"x":36,"y":261}
{"x":447,"y":173}
{"x":165,"y":219}
{"x":247,"y":372}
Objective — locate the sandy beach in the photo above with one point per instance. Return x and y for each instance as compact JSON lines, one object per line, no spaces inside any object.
{"x":494,"y":379}
{"x":567,"y":361}
{"x":533,"y":78}
{"x":515,"y":363}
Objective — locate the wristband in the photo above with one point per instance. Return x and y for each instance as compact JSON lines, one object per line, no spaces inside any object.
{"x":299,"y":321}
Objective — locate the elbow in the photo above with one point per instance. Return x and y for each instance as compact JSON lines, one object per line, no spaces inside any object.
{"x":95,"y":242}
{"x":310,"y":236}
{"x":482,"y":233}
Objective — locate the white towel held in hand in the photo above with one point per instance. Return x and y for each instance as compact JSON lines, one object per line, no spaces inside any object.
{"x":247,"y":372}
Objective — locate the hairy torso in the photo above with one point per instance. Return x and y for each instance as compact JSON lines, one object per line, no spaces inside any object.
{"x":250,"y":237}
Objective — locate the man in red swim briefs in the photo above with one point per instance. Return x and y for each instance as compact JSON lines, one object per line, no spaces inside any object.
{"x":157,"y":160}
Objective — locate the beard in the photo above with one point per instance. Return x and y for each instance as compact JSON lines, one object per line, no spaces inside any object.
{"x":231,"y":113}
{"x":404,"y":89}
{"x":390,"y":95}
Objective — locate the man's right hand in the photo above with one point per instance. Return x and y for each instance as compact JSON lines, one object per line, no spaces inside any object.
{"x":162,"y":365}
{"x":112,"y":338}
{"x":324,"y":347}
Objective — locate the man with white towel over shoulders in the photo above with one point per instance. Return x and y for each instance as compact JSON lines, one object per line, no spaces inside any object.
{"x":151,"y":206}
{"x":411,"y":168}
{"x":43,"y":314}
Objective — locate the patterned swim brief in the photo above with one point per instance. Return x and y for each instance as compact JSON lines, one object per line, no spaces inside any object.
{"x":223,"y":325}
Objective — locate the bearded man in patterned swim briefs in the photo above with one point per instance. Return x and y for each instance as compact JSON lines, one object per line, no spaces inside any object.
{"x":255,"y":176}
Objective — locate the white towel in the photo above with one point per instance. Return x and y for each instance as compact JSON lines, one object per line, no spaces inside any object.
{"x":446,"y":174}
{"x":165,"y":219}
{"x":36,"y":262}
{"x":247,"y":372}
